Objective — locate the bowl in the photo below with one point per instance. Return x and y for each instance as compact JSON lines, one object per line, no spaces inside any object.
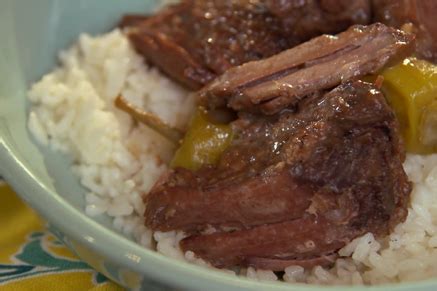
{"x":31,"y":33}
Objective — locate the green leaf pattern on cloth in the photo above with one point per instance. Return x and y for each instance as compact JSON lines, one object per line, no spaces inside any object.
{"x":35,"y":258}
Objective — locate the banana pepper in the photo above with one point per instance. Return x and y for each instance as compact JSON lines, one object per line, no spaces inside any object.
{"x":203,"y":143}
{"x":411,"y":89}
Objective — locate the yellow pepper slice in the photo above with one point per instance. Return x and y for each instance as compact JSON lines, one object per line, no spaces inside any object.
{"x":428,"y":125}
{"x":411,"y":89}
{"x":203,"y":144}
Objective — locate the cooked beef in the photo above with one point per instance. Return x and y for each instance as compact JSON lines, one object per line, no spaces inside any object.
{"x":280,"y":81}
{"x":310,"y":239}
{"x":238,"y":191}
{"x":414,"y":15}
{"x":293,"y":187}
{"x":303,"y":20}
{"x":196,"y":40}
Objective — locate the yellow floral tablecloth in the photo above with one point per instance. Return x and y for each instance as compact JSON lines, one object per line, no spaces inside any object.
{"x":31,"y":258}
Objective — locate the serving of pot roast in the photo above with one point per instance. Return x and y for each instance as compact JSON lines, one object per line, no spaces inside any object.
{"x":314,"y":158}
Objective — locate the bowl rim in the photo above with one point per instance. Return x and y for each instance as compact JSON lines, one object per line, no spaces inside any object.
{"x":134,"y":257}
{"x":75,"y":224}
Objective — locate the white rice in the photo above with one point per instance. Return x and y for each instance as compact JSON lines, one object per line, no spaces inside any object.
{"x":73,"y":112}
{"x":118,"y":162}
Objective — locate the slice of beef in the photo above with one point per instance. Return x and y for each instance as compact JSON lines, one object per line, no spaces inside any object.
{"x":197,"y":40}
{"x":414,"y":15}
{"x":305,"y":241}
{"x":292,"y":187}
{"x":247,"y":201}
{"x":280,"y":81}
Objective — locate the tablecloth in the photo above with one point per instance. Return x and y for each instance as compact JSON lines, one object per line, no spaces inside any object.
{"x":31,"y":258}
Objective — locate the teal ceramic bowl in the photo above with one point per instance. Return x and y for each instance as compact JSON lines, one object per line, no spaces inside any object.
{"x":31,"y":33}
